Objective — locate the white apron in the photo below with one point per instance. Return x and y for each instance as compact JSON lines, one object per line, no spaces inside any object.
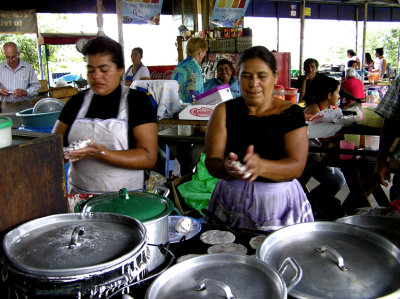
{"x":91,"y":175}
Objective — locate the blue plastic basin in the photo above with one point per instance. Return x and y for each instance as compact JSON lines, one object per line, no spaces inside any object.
{"x":29,"y":119}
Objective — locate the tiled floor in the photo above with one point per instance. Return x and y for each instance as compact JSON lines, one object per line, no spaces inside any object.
{"x":345,"y":191}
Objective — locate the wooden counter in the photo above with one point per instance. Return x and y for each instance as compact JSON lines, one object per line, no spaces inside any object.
{"x":32,"y":182}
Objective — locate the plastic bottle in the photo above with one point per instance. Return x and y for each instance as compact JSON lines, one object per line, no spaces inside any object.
{"x":279,"y":92}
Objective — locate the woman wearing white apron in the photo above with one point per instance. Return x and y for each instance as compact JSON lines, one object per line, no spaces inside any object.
{"x":121,"y":123}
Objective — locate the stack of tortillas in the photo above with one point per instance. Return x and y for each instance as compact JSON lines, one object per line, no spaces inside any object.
{"x":222,"y":242}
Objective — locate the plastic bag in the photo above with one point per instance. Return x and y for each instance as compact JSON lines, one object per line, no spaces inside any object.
{"x":197,"y":192}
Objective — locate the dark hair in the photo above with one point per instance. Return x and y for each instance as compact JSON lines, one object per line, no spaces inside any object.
{"x":259,"y":52}
{"x":351,"y":52}
{"x":106,"y":45}
{"x":309,"y":61}
{"x":225,"y":61}
{"x":328,"y":85}
{"x":379,"y":51}
{"x":139,"y":50}
{"x":368,"y":57}
{"x":350,"y":63}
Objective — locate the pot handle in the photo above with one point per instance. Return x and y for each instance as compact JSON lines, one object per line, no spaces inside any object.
{"x":289,"y":261}
{"x":156,"y":189}
{"x":78,"y":231}
{"x":335,"y":253}
{"x":206,"y":281}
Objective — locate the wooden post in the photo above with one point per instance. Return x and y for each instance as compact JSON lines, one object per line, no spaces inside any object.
{"x":356,"y":29}
{"x":195,"y":17}
{"x":99,"y":12}
{"x":119,"y":16}
{"x":277,"y":34}
{"x":302,"y":6}
{"x":364,"y":40}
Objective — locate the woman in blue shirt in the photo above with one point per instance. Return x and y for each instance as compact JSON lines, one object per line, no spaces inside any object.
{"x":188,"y":71}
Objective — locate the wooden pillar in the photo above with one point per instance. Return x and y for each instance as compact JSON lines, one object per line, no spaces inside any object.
{"x":356,"y":49}
{"x":119,"y":17}
{"x":195,"y":17}
{"x":398,"y":56}
{"x":302,"y":6}
{"x":277,"y":34}
{"x":99,"y":12}
{"x":364,"y":39}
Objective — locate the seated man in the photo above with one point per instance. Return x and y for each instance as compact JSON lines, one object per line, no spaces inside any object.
{"x":309,"y":84}
{"x":224,"y":76}
{"x":353,"y":86}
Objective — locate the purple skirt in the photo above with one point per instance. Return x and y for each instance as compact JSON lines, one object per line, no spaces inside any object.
{"x":260,"y":206}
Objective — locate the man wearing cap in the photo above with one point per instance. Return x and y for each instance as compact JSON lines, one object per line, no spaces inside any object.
{"x":19,"y":84}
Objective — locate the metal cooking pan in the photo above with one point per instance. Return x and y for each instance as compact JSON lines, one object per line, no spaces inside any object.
{"x":338,"y":260}
{"x":386,"y":226}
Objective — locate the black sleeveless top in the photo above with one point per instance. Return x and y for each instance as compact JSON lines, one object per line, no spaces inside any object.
{"x":265,"y":133}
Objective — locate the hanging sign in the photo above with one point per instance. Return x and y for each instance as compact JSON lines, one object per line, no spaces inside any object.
{"x":229,"y":13}
{"x":141,"y":11}
{"x":18,"y":21}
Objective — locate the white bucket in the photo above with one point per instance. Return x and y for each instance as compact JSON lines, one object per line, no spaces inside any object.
{"x":5,"y":131}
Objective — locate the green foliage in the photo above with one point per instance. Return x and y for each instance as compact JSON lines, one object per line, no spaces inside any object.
{"x":386,"y":39}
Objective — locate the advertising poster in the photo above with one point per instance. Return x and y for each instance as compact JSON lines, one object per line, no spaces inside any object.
{"x":141,"y":11}
{"x":229,"y":13}
{"x":18,"y":21}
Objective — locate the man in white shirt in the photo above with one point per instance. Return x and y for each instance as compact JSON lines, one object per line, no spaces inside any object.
{"x":19,"y":84}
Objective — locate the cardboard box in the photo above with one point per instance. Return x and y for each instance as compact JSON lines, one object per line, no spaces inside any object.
{"x":197,"y":112}
{"x":215,"y":95}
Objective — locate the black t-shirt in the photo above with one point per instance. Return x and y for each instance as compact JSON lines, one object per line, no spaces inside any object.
{"x":313,"y":89}
{"x":140,"y":109}
{"x":266,"y":133}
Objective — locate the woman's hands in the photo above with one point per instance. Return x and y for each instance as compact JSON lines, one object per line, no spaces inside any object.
{"x":249,"y":171}
{"x":94,"y":150}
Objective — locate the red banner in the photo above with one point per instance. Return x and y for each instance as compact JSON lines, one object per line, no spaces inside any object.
{"x":161,"y":72}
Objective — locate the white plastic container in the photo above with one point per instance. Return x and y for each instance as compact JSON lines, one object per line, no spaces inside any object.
{"x":215,"y":95}
{"x":5,"y":131}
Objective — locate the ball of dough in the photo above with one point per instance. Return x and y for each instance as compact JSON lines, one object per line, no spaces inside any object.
{"x":183,"y":225}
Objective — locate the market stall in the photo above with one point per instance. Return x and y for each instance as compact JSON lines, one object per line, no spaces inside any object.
{"x":46,"y":39}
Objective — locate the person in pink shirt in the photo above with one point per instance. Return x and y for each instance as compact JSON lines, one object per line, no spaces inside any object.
{"x":353,"y":86}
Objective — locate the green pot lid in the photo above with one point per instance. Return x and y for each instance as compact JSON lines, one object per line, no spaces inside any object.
{"x":5,"y":122}
{"x":142,"y":206}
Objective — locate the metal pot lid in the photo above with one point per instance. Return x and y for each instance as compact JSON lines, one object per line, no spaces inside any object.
{"x":48,"y":105}
{"x":65,"y":245}
{"x":387,"y":226}
{"x":219,"y":276}
{"x":140,"y":205}
{"x":338,"y":260}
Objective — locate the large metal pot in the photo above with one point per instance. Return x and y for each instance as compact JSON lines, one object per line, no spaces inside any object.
{"x":338,"y":260}
{"x":75,"y":255}
{"x":150,"y":209}
{"x":387,"y":226}
{"x":223,"y":276}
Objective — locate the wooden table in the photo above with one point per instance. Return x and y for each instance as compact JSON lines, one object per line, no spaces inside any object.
{"x":186,"y":149}
{"x":359,"y":172}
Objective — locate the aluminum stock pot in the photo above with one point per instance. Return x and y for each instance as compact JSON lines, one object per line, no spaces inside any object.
{"x":224,"y":276}
{"x":150,"y":209}
{"x":338,"y":260}
{"x":387,"y":226}
{"x":75,"y":255}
